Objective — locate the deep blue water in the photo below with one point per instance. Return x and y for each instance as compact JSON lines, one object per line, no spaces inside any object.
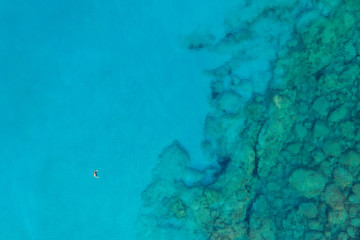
{"x":88,"y":85}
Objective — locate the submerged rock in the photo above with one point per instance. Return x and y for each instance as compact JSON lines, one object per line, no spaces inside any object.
{"x":338,"y":114}
{"x":229,"y":102}
{"x":333,"y":148}
{"x":285,"y":135}
{"x":334,"y":197}
{"x":342,"y":177}
{"x":350,"y":158}
{"x":337,"y":216}
{"x":309,"y":210}
{"x":356,"y":189}
{"x":321,"y":129}
{"x":309,"y":183}
{"x":321,"y":106}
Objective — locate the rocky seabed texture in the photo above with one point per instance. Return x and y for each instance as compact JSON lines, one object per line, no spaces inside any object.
{"x":283,"y":138}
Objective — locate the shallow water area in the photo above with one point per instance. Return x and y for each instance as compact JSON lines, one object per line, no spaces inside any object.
{"x":283,"y":128}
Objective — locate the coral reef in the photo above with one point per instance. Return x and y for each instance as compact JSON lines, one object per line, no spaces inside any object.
{"x":287,"y":148}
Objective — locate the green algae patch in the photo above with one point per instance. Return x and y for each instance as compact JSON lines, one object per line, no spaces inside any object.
{"x":309,"y":183}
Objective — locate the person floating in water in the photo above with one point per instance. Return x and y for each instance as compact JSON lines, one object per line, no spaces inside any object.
{"x":95,"y":174}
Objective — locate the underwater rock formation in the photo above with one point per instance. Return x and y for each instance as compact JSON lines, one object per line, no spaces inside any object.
{"x":309,"y":183}
{"x":288,"y":148}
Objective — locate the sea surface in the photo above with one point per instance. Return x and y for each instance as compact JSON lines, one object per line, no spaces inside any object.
{"x":88,"y":85}
{"x":206,"y":120}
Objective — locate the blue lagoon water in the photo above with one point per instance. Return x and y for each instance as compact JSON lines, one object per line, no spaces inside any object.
{"x":88,"y":85}
{"x":207,"y":120}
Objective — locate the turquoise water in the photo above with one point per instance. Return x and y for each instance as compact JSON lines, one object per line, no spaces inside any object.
{"x":214,"y":120}
{"x":91,"y":85}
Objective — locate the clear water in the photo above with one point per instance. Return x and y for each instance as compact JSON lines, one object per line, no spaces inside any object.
{"x":283,"y":128}
{"x":269,"y":90}
{"x":88,"y":85}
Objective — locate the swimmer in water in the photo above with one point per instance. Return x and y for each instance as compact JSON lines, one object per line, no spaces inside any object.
{"x":95,"y":174}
